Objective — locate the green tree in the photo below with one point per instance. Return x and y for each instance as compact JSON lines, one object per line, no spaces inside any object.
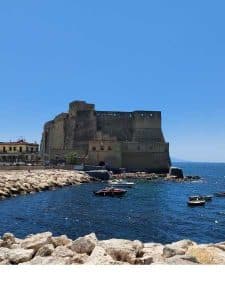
{"x":71,"y":158}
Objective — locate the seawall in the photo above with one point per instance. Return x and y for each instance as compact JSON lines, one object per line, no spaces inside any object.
{"x":21,"y":182}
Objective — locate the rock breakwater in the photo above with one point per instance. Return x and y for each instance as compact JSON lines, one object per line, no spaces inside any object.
{"x":45,"y":249}
{"x":153,"y":176}
{"x":14,"y":183}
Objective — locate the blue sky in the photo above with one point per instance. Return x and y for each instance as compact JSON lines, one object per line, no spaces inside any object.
{"x":120,"y":55}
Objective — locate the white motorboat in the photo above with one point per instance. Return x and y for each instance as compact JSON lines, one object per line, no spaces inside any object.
{"x":120,"y":183}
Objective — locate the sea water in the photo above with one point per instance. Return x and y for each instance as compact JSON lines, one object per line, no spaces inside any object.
{"x":151,"y":211}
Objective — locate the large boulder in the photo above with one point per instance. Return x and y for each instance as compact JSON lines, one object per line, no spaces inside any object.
{"x":204,"y":254}
{"x":85,"y":244}
{"x":17,"y":256}
{"x":100,"y":257}
{"x":154,"y":251}
{"x":61,"y":240}
{"x":123,"y":250}
{"x":177,"y":248}
{"x":45,"y":250}
{"x":62,"y":251}
{"x":37,"y":241}
{"x":8,"y":240}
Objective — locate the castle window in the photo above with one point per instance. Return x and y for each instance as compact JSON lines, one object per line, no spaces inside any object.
{"x":102,"y":148}
{"x":93,"y":148}
{"x":4,"y":150}
{"x":14,"y":148}
{"x":21,"y":149}
{"x":10,"y":148}
{"x":109,"y":148}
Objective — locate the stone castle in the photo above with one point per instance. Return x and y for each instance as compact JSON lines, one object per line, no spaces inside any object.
{"x":131,"y":140}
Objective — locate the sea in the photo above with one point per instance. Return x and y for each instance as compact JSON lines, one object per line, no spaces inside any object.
{"x":152,"y":211}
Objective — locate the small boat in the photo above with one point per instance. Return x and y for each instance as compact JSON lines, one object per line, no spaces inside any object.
{"x":201,"y":197}
{"x":207,"y":197}
{"x":196,"y":197}
{"x":196,"y":201}
{"x":111,"y":191}
{"x":220,"y":194}
{"x":121,"y":183}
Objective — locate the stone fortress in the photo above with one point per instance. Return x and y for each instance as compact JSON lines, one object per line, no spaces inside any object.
{"x":131,"y":140}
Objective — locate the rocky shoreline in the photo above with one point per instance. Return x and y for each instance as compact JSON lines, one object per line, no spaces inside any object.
{"x":45,"y":249}
{"x":154,"y":176}
{"x":13,"y":183}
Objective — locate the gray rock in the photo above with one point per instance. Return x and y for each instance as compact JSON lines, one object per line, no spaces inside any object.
{"x":183,"y":244}
{"x":8,"y":239}
{"x":85,"y":244}
{"x":79,"y":258}
{"x":100,"y":257}
{"x":122,"y":250}
{"x":155,"y":251}
{"x":177,"y":248}
{"x":62,"y":251}
{"x":17,"y":256}
{"x":169,"y":251}
{"x":61,"y":240}
{"x":45,"y":250}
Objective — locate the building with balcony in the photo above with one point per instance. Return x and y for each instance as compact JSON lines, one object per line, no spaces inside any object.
{"x":19,"y":152}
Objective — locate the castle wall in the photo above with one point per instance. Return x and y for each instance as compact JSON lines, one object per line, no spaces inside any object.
{"x":132,"y":140}
{"x":117,"y":124}
{"x":108,"y":152}
{"x":146,"y":156}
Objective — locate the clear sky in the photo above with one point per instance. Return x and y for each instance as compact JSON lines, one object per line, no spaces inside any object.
{"x":120,"y":55}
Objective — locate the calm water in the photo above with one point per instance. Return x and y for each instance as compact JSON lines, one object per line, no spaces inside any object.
{"x":152,"y":211}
